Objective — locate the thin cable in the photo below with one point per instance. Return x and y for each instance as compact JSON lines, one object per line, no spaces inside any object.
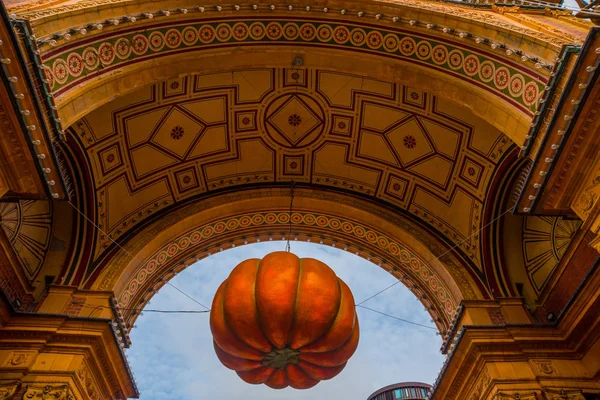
{"x":287,"y":246}
{"x":130,"y":255}
{"x":441,"y":255}
{"x":186,"y":295}
{"x":177,"y":311}
{"x":399,"y":319}
{"x":97,"y":227}
{"x":151,"y":310}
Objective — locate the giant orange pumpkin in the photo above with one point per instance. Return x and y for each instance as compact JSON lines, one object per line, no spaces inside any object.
{"x":284,"y":321}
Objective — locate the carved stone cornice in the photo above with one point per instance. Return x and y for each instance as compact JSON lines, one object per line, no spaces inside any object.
{"x":24,"y":130}
{"x":8,"y":389}
{"x":563,"y":394}
{"x":571,"y":144}
{"x":49,"y":392}
{"x":546,"y":358}
{"x":90,"y":345}
{"x":518,"y":395}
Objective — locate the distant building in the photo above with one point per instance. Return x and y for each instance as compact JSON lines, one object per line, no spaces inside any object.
{"x":404,"y":390}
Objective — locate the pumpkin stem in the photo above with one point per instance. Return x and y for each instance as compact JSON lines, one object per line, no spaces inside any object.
{"x":279,"y":358}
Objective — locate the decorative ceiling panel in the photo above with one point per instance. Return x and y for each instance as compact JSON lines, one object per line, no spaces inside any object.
{"x":74,"y":64}
{"x":28,"y":226}
{"x":197,"y":134}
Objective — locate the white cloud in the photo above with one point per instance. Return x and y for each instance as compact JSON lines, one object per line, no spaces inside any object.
{"x":172,"y":354}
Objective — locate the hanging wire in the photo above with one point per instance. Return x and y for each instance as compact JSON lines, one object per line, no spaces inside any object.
{"x":207,"y":311}
{"x":441,"y":255}
{"x":292,"y":184}
{"x":147,"y":310}
{"x":397,"y":318}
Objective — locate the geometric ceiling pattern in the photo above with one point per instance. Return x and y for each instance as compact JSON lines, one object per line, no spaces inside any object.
{"x":192,"y":135}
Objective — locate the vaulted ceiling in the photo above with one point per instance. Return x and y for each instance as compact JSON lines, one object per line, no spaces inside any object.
{"x":197,"y":134}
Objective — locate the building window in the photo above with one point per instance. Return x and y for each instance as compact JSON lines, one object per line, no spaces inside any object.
{"x":399,"y":393}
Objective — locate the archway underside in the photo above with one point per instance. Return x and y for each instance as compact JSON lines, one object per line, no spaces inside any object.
{"x":153,"y":255}
{"x":83,"y":77}
{"x":185,"y":140}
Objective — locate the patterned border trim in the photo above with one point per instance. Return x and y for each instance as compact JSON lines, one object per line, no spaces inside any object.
{"x":67,"y":69}
{"x":197,"y":237}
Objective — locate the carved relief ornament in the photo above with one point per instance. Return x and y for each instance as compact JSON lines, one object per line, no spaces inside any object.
{"x":7,"y":390}
{"x":48,"y":392}
{"x":562,"y":394}
{"x":519,"y":395}
{"x":545,"y":367}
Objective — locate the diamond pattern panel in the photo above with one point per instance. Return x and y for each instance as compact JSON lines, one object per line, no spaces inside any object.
{"x":191,"y":136}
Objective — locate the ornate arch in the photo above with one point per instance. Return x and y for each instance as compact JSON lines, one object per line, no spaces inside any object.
{"x":189,"y":233}
{"x":85,"y":72}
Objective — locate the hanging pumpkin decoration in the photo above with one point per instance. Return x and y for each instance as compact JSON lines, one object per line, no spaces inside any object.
{"x":284,"y":321}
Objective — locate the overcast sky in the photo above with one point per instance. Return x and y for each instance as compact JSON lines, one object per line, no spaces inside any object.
{"x":172,"y":355}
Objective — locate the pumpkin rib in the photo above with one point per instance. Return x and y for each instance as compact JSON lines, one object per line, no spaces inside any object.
{"x":231,"y":330}
{"x":293,"y":325}
{"x":316,"y":346}
{"x":297,"y":378}
{"x":275,"y":283}
{"x":277,"y":380}
{"x":239,"y":298}
{"x":337,"y":356}
{"x":320,"y":373}
{"x":330,"y":326}
{"x":233,"y":362}
{"x":258,"y":316}
{"x":317,"y":305}
{"x":235,"y":344}
{"x":256,"y":376}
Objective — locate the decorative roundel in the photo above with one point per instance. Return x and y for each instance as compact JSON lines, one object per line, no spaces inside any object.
{"x":502,"y":78}
{"x":390,"y":42}
{"x":341,"y":34}
{"x":157,"y":41}
{"x":530,"y":93}
{"x":455,"y":59}
{"x":374,"y":40}
{"x":423,"y":50}
{"x":308,"y":32}
{"x":517,"y":83}
{"x":123,"y":48}
{"x":324,"y":33}
{"x":270,"y":218}
{"x":487,"y":71}
{"x":358,"y":37}
{"x":257,"y":31}
{"x":90,"y":58}
{"x":223,"y":32}
{"x":471,"y":65}
{"x":173,"y":38}
{"x":206,"y":34}
{"x":407,"y":46}
{"x":106,"y":52}
{"x":60,"y":71}
{"x":439,"y":54}
{"x":75,"y":63}
{"x":190,"y":36}
{"x":291,"y":31}
{"x":274,"y":30}
{"x":49,"y":76}
{"x":139,"y":44}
